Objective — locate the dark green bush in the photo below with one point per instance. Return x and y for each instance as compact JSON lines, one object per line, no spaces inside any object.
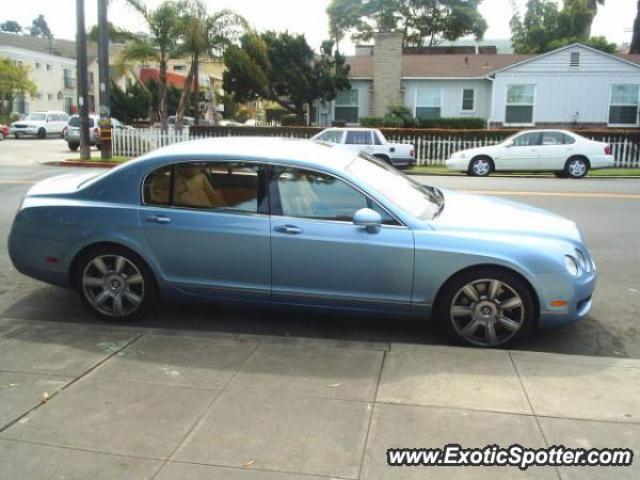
{"x":396,"y":121}
{"x":453,"y":123}
{"x":291,"y":120}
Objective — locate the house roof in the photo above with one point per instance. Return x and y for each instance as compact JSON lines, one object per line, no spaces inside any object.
{"x":449,"y":65}
{"x":58,"y":47}
{"x":174,"y":79}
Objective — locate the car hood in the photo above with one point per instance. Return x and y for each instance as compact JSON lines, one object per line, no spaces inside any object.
{"x":29,"y":123}
{"x":484,"y":214}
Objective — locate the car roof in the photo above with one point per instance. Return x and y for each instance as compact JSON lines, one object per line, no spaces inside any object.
{"x":295,"y":151}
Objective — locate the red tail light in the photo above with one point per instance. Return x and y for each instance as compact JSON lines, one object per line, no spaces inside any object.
{"x":607,"y":149}
{"x":412,"y":153}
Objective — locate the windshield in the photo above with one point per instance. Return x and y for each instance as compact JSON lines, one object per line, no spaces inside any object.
{"x":414,"y":198}
{"x":38,"y":117}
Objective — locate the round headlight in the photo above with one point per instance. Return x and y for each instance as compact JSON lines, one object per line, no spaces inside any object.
{"x":571,"y":265}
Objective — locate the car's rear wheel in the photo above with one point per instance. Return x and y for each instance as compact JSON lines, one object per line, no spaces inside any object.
{"x":115,"y":283}
{"x":16,"y":136}
{"x":576,"y":167}
{"x":480,"y":167}
{"x":42,"y":133}
{"x":73,"y":146}
{"x":487,"y":308}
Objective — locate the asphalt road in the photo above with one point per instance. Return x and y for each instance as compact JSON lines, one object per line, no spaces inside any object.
{"x":607,"y":210}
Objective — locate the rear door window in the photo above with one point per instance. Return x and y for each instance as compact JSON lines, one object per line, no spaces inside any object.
{"x":358,"y":137}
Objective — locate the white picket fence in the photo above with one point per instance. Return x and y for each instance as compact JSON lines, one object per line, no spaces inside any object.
{"x":430,"y":149}
{"x":134,"y":142}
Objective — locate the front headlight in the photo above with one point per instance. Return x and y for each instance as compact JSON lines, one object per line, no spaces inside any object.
{"x":583,"y":260}
{"x":571,"y":264}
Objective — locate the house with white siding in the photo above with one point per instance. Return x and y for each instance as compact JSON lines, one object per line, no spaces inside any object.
{"x":575,"y":86}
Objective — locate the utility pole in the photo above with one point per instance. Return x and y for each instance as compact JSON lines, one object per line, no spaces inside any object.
{"x":103,"y":74}
{"x":83,"y":87}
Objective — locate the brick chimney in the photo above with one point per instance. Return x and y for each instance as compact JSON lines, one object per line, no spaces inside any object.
{"x":387,"y":72}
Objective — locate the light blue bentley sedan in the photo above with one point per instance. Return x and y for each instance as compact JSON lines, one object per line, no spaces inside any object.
{"x":293,"y":222}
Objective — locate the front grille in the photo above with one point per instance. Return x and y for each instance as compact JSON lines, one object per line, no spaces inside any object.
{"x":20,"y":125}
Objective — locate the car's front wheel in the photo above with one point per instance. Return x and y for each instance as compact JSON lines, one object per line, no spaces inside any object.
{"x":480,"y":167}
{"x":487,"y":308}
{"x":73,"y":146}
{"x":576,"y":167}
{"x":42,"y":133}
{"x":114,"y":283}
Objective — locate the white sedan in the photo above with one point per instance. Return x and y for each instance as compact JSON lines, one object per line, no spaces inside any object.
{"x":565,"y":153}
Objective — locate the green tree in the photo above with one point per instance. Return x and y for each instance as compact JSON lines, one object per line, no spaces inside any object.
{"x":11,"y":26}
{"x":421,"y":21}
{"x":281,"y":67}
{"x":635,"y":39}
{"x":545,"y":27}
{"x":202,"y":35}
{"x":159,"y":46}
{"x":14,"y":81}
{"x":129,"y":104}
{"x":40,"y":28}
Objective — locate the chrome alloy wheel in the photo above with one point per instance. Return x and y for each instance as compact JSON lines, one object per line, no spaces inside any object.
{"x":113,"y":285}
{"x":577,"y":168}
{"x":487,"y":312}
{"x":481,"y":167}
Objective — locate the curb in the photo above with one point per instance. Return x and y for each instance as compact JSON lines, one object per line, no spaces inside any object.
{"x":73,"y":163}
{"x":428,"y":174}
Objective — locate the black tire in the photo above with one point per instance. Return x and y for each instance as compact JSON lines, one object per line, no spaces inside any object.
{"x":16,"y":136}
{"x":480,"y":167}
{"x":511,"y":290}
{"x":73,"y":146}
{"x":42,"y":133}
{"x":97,"y":146}
{"x":576,"y":167}
{"x":115,"y":284}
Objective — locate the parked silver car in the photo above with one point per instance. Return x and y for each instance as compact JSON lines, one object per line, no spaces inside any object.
{"x":72,"y":131}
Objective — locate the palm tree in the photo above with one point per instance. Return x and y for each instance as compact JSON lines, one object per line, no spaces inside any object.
{"x":635,"y":40}
{"x":159,"y":46}
{"x":203,"y":35}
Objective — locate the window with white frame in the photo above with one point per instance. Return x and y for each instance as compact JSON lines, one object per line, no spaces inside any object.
{"x":428,"y":103}
{"x":623,"y":107}
{"x":519,"y":107}
{"x":346,"y":106}
{"x":468,"y":100}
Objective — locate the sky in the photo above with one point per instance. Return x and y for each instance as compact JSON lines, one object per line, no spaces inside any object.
{"x":614,"y":20}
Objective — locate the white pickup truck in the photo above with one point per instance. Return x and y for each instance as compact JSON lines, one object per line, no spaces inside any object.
{"x":371,"y":141}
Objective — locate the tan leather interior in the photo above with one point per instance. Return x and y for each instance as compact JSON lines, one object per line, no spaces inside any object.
{"x":197,"y":187}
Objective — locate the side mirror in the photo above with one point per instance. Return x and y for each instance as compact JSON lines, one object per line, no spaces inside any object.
{"x":367,"y":218}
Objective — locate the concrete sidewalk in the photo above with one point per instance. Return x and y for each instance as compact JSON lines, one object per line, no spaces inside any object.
{"x":135,"y":403}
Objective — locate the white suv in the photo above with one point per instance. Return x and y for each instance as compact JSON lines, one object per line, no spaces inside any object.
{"x":40,"y":124}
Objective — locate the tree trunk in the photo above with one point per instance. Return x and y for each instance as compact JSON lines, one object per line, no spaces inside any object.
{"x":635,"y":40}
{"x":183,"y":97}
{"x":162,"y":92}
{"x":196,"y":88}
{"x":309,"y":110}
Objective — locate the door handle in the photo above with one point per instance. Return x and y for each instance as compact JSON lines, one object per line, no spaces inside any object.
{"x":158,"y":219}
{"x":290,"y":229}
